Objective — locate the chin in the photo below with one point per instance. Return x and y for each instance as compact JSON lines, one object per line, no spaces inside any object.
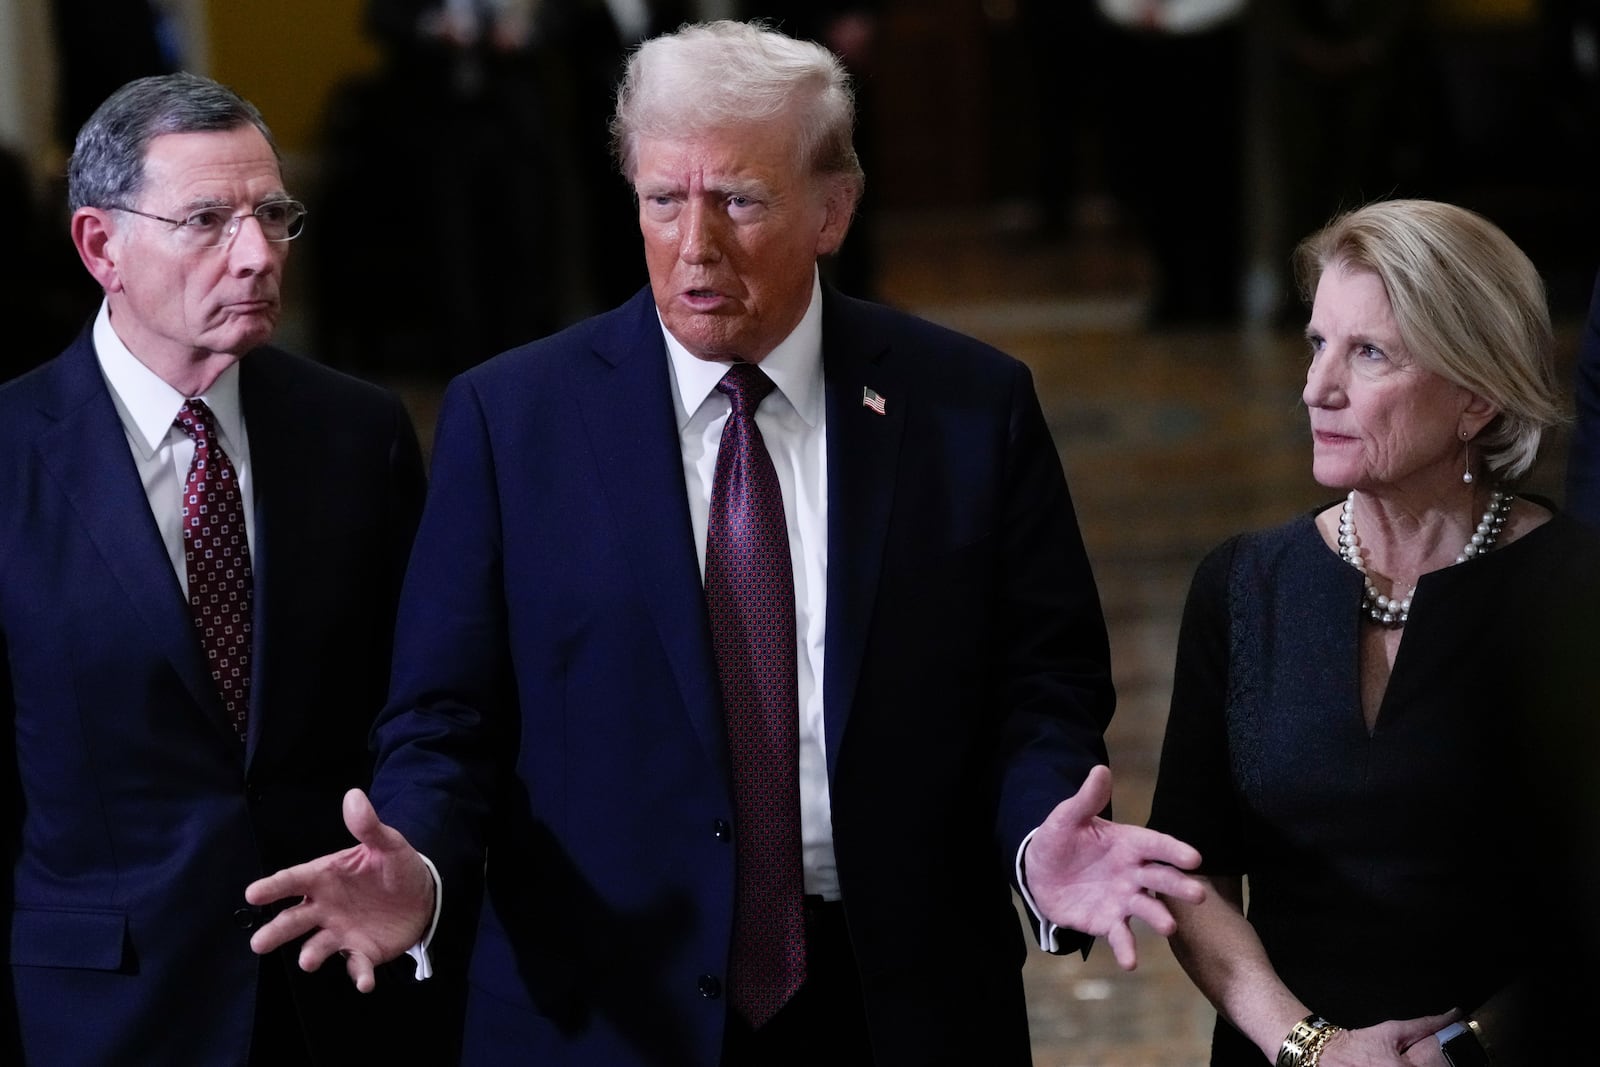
{"x":237,"y":347}
{"x":713,"y":347}
{"x":1331,"y":479}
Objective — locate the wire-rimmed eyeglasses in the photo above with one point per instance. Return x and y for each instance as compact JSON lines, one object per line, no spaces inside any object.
{"x":210,"y":227}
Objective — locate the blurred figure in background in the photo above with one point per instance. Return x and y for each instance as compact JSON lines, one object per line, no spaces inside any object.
{"x":1350,"y":115}
{"x":1173,"y":106}
{"x":101,"y":45}
{"x":26,"y":301}
{"x":1064,"y":48}
{"x":438,"y":190}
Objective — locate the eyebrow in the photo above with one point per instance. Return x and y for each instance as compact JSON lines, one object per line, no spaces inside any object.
{"x":753,"y":188}
{"x":201,"y":203}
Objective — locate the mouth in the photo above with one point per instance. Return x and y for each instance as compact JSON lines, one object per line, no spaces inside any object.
{"x":703,"y":299}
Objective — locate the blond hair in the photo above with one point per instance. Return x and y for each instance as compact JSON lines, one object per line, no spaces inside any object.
{"x":1470,"y":307}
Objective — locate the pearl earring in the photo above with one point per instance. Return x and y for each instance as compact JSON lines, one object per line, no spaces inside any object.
{"x":1466,"y":445}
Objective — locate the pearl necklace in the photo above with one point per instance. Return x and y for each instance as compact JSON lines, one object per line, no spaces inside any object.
{"x":1393,"y":612}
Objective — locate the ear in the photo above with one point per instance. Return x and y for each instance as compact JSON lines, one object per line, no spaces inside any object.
{"x":838,"y":208}
{"x":1479,"y":412}
{"x":93,"y":235}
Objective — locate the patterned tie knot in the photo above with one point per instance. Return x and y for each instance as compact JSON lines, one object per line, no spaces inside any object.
{"x":196,"y":420}
{"x":745,"y":385}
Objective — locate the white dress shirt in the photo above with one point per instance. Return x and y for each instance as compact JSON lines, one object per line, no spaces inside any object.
{"x":793,"y":423}
{"x":161,"y":450}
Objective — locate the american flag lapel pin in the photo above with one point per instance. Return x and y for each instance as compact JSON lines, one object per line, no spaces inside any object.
{"x":871,"y":399}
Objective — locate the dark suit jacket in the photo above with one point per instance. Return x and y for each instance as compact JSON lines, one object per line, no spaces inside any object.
{"x":1583,"y":460}
{"x":132,"y":820}
{"x":555,"y":702}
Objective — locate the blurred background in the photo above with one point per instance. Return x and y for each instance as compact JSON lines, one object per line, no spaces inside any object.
{"x":1110,"y":196}
{"x":463,"y":201}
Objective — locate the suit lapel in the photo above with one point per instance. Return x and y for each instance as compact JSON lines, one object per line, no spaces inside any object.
{"x":863,"y":451}
{"x":279,"y":459}
{"x":625,"y":398}
{"x":86,"y":451}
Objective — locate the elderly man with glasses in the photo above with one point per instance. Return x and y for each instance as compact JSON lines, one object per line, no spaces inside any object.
{"x":201,"y":545}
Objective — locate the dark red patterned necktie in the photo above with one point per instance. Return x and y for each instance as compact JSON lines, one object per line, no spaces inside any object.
{"x":750,"y":596}
{"x":218,"y":557}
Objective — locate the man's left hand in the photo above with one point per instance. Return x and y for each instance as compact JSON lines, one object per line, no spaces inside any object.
{"x":1093,"y":875}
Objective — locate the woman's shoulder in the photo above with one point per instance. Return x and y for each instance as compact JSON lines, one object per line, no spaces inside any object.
{"x":1542,"y":528}
{"x":1253,"y":560}
{"x":1299,"y":535}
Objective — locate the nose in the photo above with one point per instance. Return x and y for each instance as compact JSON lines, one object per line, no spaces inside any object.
{"x":249,"y":251}
{"x":698,"y":243}
{"x":1324,"y":384}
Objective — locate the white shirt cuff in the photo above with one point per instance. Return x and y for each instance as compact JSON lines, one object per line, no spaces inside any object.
{"x":419,"y":951}
{"x":1047,"y":929}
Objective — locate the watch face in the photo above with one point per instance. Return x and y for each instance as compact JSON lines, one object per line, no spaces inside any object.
{"x":1462,"y":1049}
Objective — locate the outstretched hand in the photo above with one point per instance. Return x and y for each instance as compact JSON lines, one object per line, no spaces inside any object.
{"x":369,"y":903}
{"x":1093,"y":875}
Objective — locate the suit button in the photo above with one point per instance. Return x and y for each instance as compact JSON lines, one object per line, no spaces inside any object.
{"x":722,"y":829}
{"x":710,"y":988}
{"x":247,"y":917}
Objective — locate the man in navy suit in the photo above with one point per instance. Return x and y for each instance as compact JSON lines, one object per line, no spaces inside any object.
{"x":150,"y":772}
{"x":561,"y":715}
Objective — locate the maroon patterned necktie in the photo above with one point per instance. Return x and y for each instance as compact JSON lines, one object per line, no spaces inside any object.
{"x":750,"y":597}
{"x":218,"y":557}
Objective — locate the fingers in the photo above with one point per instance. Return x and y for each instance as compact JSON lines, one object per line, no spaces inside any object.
{"x":321,"y":947}
{"x":289,"y":882}
{"x":362,"y":821}
{"x":360,"y":970}
{"x":1090,"y":800}
{"x":1164,"y":848}
{"x":360,"y":818}
{"x":1410,"y":1031}
{"x":285,"y":927}
{"x":1123,"y":947}
{"x":1158,"y":878}
{"x":1153,"y":913}
{"x":1094,"y":794}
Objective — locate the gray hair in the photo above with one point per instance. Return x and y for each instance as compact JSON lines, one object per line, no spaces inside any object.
{"x":107,"y":167}
{"x":725,"y":74}
{"x":1470,"y":307}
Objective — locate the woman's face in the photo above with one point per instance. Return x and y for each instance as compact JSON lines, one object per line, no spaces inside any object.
{"x":1378,"y":420}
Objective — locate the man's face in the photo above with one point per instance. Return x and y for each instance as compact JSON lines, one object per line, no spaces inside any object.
{"x":732,"y":230}
{"x":172,"y":302}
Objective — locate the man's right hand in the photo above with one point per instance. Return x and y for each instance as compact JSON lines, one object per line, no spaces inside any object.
{"x":369,"y":903}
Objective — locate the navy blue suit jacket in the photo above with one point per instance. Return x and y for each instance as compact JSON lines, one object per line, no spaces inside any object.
{"x":132,"y":817}
{"x":555,"y":707}
{"x":1583,"y":460}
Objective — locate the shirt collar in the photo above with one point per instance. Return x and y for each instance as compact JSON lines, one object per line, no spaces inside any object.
{"x":795,"y":366}
{"x":148,"y":405}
